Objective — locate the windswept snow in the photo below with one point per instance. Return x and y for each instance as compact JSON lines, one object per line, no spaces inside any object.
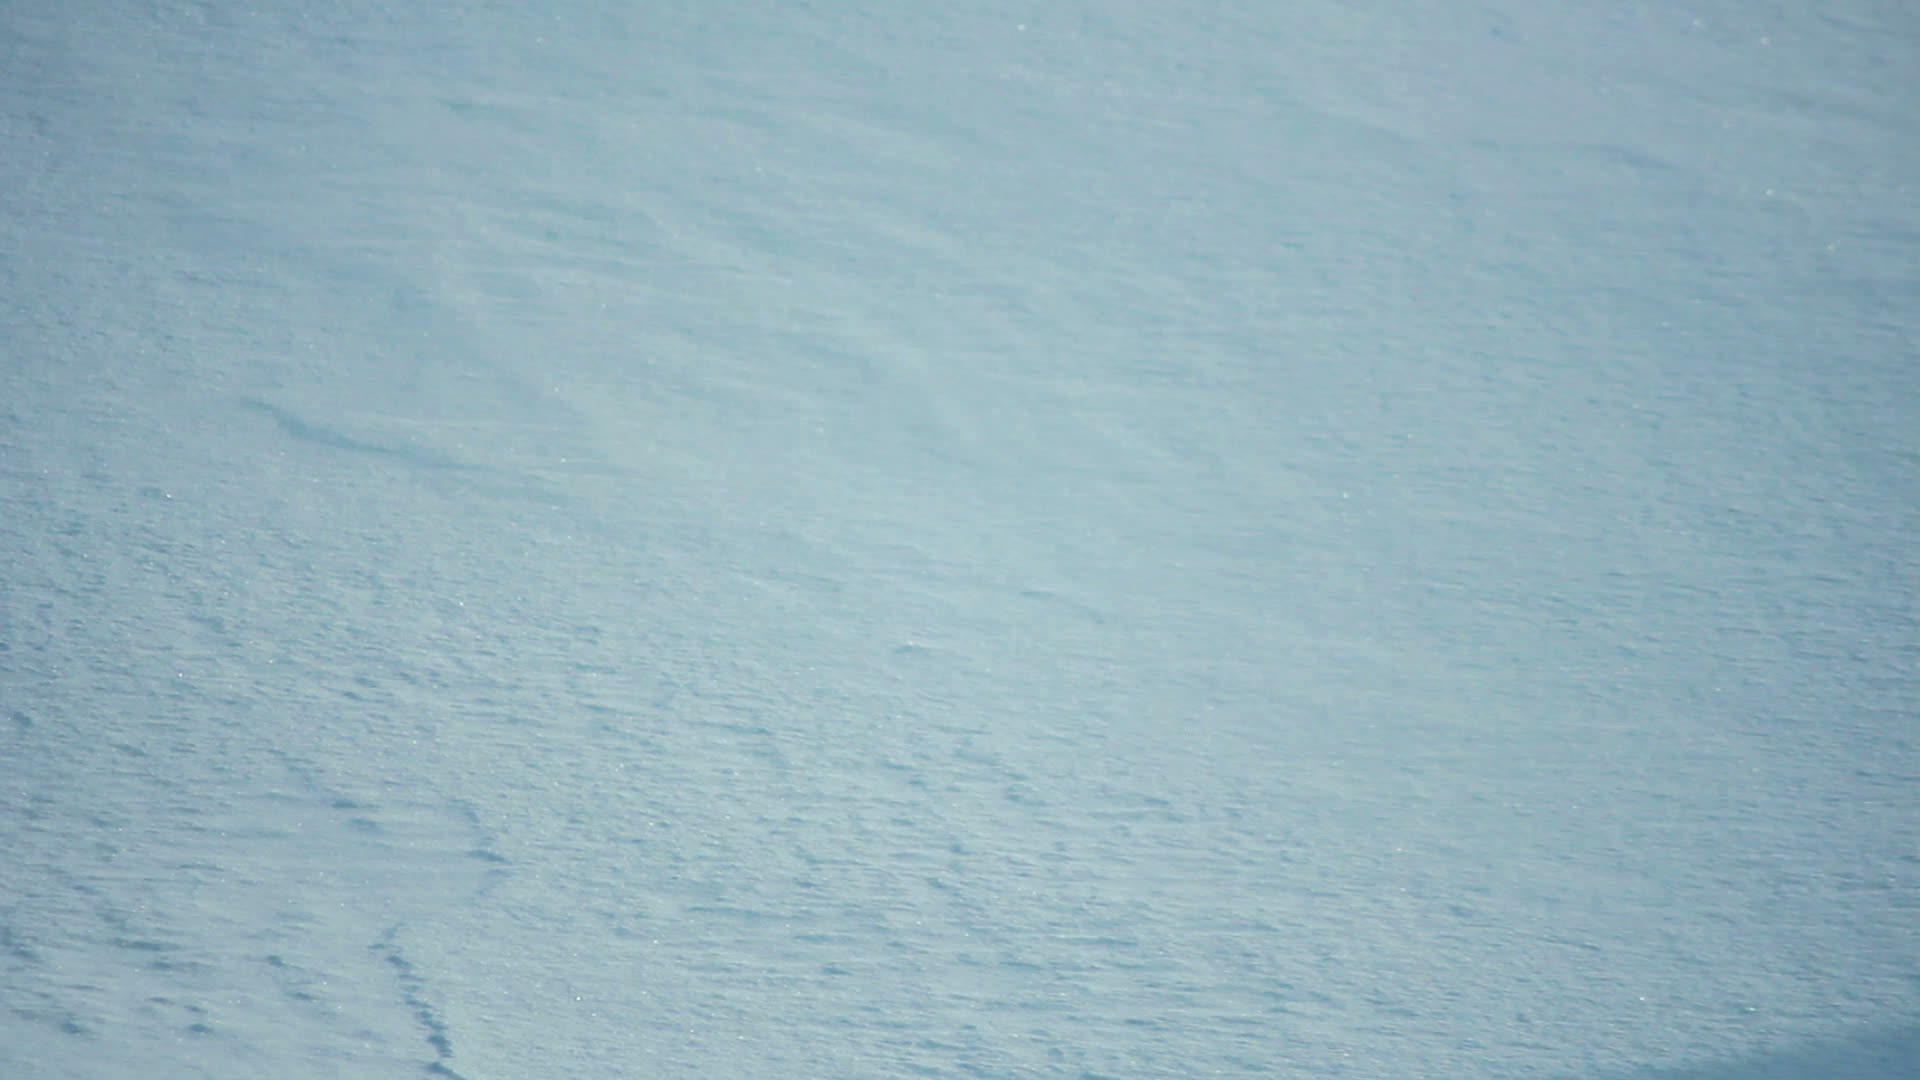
{"x":844,"y":541}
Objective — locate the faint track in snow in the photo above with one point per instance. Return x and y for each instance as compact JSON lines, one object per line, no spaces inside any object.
{"x":321,"y":435}
{"x":413,"y":991}
{"x":499,"y":470}
{"x":407,"y":833}
{"x":401,"y":445}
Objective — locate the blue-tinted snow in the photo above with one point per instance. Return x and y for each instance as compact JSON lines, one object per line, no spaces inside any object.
{"x":1072,"y":540}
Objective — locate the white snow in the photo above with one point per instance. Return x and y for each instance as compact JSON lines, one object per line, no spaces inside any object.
{"x":834,"y":540}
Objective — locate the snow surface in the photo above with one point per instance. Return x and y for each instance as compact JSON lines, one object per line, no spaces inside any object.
{"x":1113,"y":539}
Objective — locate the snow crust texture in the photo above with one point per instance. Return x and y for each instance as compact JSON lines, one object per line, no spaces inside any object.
{"x":1080,"y":541}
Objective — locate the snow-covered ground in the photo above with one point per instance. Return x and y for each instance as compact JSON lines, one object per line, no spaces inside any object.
{"x":1083,"y":540}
